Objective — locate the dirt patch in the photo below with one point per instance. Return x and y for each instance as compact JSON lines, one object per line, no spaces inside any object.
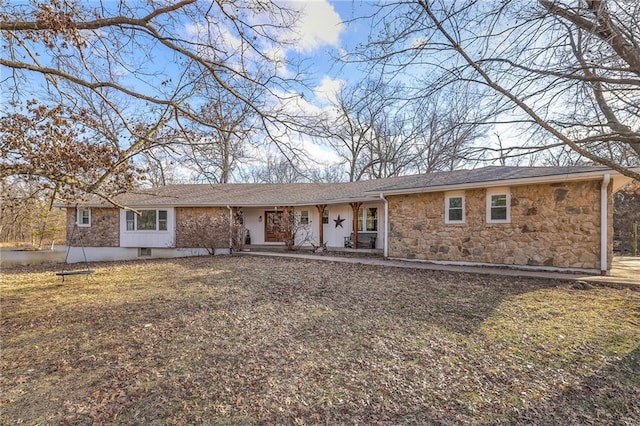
{"x":261,"y":340}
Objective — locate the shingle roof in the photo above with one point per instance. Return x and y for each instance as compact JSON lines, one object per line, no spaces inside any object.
{"x":486,"y":175}
{"x":242,"y":194}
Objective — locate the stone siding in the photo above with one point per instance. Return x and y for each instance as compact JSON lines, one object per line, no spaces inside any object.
{"x":202,"y":227}
{"x":103,"y":232}
{"x":554,"y":225}
{"x":626,"y":212}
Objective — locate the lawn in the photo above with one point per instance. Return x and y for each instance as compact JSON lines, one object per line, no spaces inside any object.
{"x":242,"y":339}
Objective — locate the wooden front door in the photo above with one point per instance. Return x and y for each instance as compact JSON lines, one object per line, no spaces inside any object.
{"x":273,"y":227}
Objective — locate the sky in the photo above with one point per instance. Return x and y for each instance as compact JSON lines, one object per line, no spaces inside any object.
{"x":326,"y":30}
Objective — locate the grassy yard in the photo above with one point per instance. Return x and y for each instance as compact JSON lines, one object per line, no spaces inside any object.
{"x":230,"y":340}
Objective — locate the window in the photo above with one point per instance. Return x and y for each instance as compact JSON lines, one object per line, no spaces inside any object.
{"x":304,"y":217}
{"x":325,"y":215}
{"x":148,"y":220}
{"x":144,"y":252}
{"x":499,"y":206}
{"x":84,"y":217}
{"x":131,"y":221}
{"x":369,"y":217}
{"x":454,"y":208}
{"x":162,"y":220}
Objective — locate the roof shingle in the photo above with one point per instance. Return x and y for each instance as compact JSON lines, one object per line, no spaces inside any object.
{"x":245,"y":194}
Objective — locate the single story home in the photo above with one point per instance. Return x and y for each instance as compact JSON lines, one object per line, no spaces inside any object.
{"x":555,"y":218}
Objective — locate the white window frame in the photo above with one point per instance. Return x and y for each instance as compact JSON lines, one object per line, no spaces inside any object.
{"x":79,"y":216}
{"x":447,"y":206}
{"x":325,"y":215}
{"x":499,"y":191}
{"x":304,"y":217}
{"x":363,"y":216}
{"x":136,"y":217}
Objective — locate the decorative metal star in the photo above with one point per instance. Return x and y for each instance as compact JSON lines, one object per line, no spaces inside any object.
{"x":338,"y":222}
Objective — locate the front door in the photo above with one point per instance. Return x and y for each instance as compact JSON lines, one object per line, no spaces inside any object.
{"x":274,"y":227}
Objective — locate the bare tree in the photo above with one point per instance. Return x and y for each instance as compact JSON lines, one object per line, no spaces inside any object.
{"x":216,"y":150}
{"x":348,"y":128}
{"x":446,"y":127}
{"x":159,"y":168}
{"x":331,"y":173}
{"x":569,"y":70}
{"x":275,"y":169}
{"x":156,"y":55}
{"x":380,"y":131}
{"x":26,"y":214}
{"x":392,"y":149}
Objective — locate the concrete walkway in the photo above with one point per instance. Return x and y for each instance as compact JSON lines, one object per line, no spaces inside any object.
{"x":626,"y":270}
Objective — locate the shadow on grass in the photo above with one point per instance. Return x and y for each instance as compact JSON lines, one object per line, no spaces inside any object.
{"x":610,"y":396}
{"x":249,"y":340}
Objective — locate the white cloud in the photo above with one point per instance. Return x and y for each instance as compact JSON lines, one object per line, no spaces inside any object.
{"x":327,"y":91}
{"x":319,"y":25}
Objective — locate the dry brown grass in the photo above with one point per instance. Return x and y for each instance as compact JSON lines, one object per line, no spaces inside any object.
{"x":259,"y":340}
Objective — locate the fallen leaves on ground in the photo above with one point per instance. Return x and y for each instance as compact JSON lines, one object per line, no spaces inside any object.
{"x":260,"y":340}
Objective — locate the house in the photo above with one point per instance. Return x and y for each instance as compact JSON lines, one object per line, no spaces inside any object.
{"x":557,"y":218}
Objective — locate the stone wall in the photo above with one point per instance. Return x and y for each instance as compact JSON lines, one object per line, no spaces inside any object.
{"x":554,"y":225}
{"x":626,"y":212}
{"x":103,"y":232}
{"x":202,"y":227}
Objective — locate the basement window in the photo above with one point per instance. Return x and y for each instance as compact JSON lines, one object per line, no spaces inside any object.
{"x":144,"y":252}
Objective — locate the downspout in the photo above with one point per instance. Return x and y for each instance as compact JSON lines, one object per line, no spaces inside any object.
{"x":604,"y":227}
{"x":230,"y":229}
{"x":385,"y":240}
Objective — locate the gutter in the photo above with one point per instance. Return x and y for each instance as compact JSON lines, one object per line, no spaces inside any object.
{"x":604,"y":198}
{"x":385,"y":240}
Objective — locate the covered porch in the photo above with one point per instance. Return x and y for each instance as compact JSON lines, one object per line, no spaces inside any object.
{"x":313,"y":226}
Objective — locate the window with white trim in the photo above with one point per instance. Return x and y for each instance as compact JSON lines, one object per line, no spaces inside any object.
{"x":83,"y":217}
{"x":369,"y":217}
{"x":499,"y":206}
{"x":304,"y":217}
{"x":454,"y":208}
{"x":147,"y":220}
{"x":325,"y":215}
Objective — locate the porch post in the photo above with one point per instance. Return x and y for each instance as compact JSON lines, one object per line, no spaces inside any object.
{"x":289,"y":220}
{"x":355,"y":207}
{"x":235,"y":228}
{"x":321,"y":208}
